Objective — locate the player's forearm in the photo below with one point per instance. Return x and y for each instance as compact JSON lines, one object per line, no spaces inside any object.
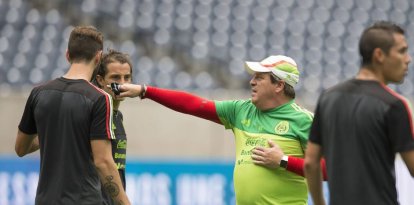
{"x":184,"y":102}
{"x":31,"y":148}
{"x":296,"y":165}
{"x":314,"y":179}
{"x":111,"y":181}
{"x":34,"y":146}
{"x":408,"y":158}
{"x":26,"y":143}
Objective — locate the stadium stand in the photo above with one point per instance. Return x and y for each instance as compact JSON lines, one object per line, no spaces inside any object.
{"x":200,"y":44}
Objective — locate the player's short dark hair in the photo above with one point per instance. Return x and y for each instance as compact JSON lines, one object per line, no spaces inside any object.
{"x":84,"y":43}
{"x":379,"y":35}
{"x":288,"y":89}
{"x":110,"y":57}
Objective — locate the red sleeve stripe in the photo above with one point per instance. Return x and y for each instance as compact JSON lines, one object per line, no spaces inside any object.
{"x":108,"y":119}
{"x":109,"y":116}
{"x":406,"y":105}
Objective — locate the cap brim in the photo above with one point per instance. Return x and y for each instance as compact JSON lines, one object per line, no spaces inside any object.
{"x":256,"y":67}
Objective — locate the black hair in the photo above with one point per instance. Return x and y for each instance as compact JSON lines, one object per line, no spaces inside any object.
{"x":107,"y":58}
{"x":84,"y":42}
{"x":288,"y":89}
{"x":379,"y":35}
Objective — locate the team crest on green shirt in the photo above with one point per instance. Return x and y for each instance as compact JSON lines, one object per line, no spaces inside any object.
{"x":282,"y":127}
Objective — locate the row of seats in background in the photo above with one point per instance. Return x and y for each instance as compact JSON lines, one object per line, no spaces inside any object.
{"x":197,"y":44}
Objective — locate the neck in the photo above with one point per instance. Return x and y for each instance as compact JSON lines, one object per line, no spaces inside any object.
{"x":116,"y":104}
{"x":366,"y":73}
{"x":274,"y":103}
{"x":80,"y":71}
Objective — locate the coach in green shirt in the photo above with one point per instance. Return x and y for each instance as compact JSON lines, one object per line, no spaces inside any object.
{"x":266,"y":127}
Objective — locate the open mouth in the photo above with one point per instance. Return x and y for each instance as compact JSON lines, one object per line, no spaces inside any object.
{"x":253,"y":93}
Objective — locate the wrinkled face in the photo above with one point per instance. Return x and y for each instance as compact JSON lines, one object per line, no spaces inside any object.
{"x":396,"y":62}
{"x":117,"y":72}
{"x":262,"y":88}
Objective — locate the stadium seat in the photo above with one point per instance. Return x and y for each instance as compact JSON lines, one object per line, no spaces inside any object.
{"x":192,"y":44}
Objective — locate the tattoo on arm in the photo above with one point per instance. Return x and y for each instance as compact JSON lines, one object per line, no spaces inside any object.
{"x":110,"y":187}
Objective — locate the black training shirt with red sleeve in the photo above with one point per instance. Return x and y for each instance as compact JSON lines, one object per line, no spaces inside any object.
{"x":67,"y":114}
{"x":361,"y":125}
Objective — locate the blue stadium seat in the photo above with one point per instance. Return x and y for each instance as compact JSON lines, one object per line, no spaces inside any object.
{"x":190,"y":44}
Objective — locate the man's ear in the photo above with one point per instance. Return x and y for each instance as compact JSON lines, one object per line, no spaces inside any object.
{"x":98,"y":57}
{"x":280,"y":86}
{"x":378,"y":55}
{"x":67,"y":56}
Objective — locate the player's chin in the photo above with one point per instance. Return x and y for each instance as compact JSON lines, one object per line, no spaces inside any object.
{"x":399,"y":80}
{"x":254,"y":99}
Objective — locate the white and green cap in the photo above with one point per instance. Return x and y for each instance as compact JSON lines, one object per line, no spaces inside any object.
{"x":282,"y":66}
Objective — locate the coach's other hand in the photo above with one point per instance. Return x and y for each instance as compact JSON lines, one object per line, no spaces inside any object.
{"x":268,"y":157}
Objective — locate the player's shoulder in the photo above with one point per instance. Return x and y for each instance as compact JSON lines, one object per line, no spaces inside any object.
{"x":341,"y":86}
{"x":43,"y":86}
{"x":79,"y":86}
{"x":397,"y":100}
{"x":95,"y":93}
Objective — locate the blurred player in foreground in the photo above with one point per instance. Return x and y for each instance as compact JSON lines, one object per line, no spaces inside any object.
{"x":115,"y":67}
{"x":260,"y":124}
{"x":361,"y":124}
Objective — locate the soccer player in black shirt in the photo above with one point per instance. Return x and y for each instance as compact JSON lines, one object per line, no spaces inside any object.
{"x":115,"y":67}
{"x":70,"y":120}
{"x":360,"y":125}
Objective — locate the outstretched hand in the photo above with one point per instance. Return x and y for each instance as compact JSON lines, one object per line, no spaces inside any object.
{"x":129,"y":90}
{"x":268,"y":157}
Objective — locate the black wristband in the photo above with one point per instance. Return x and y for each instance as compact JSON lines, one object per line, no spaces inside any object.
{"x":284,"y":162}
{"x":144,"y":90}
